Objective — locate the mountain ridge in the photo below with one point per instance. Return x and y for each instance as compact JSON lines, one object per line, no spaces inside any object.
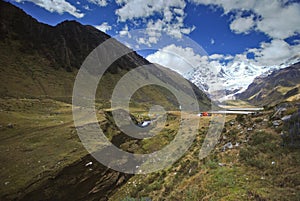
{"x":233,"y":78}
{"x":280,"y":85}
{"x":56,"y":43}
{"x":35,"y":57}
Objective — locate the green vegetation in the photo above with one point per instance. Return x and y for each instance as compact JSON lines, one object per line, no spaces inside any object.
{"x":42,"y":157}
{"x":38,"y":135}
{"x":31,"y":148}
{"x":134,"y":199}
{"x":259,"y":168}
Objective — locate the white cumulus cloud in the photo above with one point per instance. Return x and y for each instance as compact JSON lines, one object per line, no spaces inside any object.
{"x":275,"y":18}
{"x":103,"y":27}
{"x":59,"y":6}
{"x":169,"y":17}
{"x":101,"y":3}
{"x":125,"y":32}
{"x":177,"y":58}
{"x":86,"y":7}
{"x":242,"y":24}
{"x":131,"y":9}
{"x":275,"y":52}
{"x":216,"y":56}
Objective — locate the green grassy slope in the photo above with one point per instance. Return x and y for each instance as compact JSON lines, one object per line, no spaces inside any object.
{"x":24,"y":75}
{"x":257,"y":167}
{"x":40,"y":151}
{"x":32,"y":150}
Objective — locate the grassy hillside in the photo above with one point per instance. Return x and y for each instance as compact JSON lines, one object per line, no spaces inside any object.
{"x":40,"y":151}
{"x":30,"y":76}
{"x":31,"y":148}
{"x":42,"y":154}
{"x":256,"y":167}
{"x":42,"y":157}
{"x":36,"y":165}
{"x":38,"y":60}
{"x":23,"y":75}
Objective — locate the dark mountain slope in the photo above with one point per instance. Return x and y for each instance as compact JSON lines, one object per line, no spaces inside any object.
{"x":41,"y":60}
{"x":281,"y":85}
{"x":40,"y":150}
{"x":65,"y":45}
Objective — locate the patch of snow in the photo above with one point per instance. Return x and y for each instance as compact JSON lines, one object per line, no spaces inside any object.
{"x":145,"y":123}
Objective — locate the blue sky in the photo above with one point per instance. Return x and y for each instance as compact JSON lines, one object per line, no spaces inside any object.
{"x":212,"y":30}
{"x":258,"y":32}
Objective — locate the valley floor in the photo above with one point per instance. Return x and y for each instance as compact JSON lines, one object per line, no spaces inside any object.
{"x":42,"y":158}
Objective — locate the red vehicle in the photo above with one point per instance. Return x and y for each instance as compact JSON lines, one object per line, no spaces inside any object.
{"x":205,"y":114}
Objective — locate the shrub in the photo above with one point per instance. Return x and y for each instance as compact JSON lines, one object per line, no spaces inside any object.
{"x":136,"y":199}
{"x":245,"y":154}
{"x":128,"y":199}
{"x":258,"y":120}
{"x":212,"y":164}
{"x":290,"y":111}
{"x":292,"y":130}
{"x":251,"y":157}
{"x":240,"y":118}
{"x":155,"y":186}
{"x":260,"y":138}
{"x":193,"y":194}
{"x":233,"y":134}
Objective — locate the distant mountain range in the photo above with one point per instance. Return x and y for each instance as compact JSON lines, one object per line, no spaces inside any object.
{"x":39,"y":60}
{"x":234,"y":77}
{"x":280,"y":85}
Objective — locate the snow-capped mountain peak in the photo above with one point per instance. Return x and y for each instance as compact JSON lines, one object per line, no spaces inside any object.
{"x":232,"y":77}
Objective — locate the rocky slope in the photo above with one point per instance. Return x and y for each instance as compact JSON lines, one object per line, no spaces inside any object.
{"x":281,"y":85}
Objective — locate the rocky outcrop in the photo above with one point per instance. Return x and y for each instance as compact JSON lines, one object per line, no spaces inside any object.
{"x":85,"y":179}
